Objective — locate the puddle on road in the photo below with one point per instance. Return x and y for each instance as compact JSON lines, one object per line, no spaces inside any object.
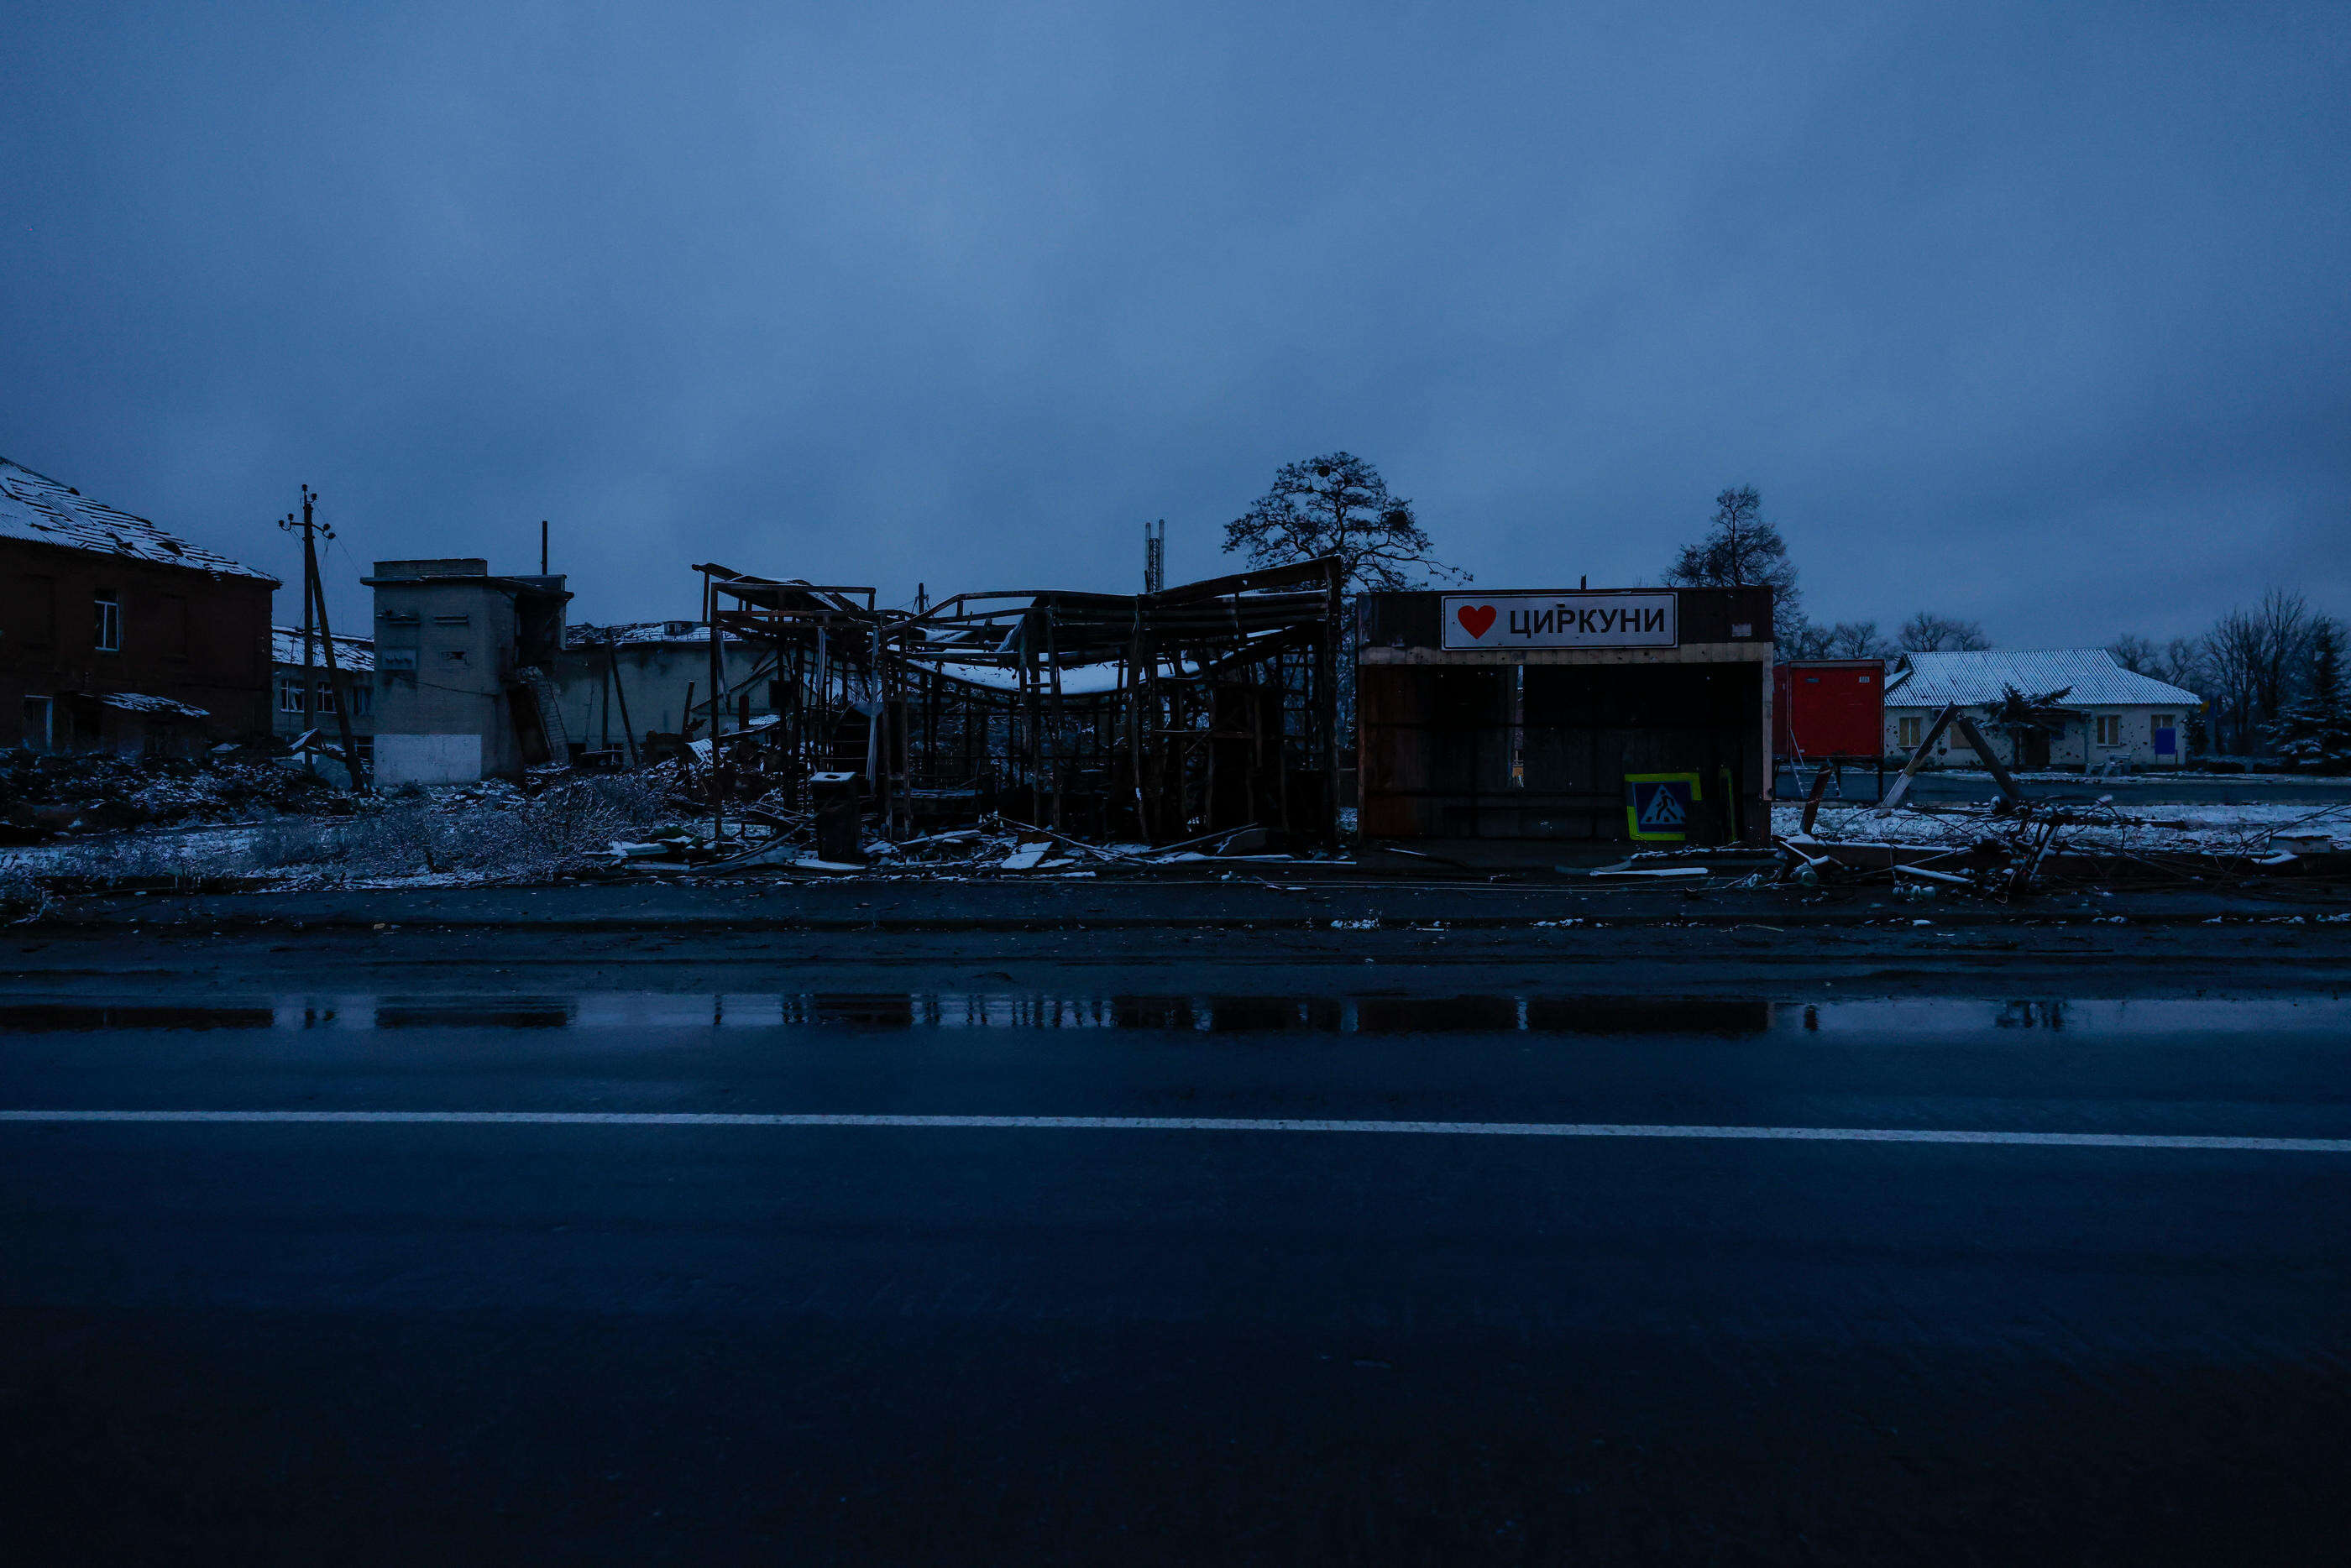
{"x":1391,"y":1015}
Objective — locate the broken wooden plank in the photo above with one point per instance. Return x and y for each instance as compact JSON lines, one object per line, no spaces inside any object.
{"x":1812,"y":801}
{"x":1919,"y":758}
{"x":1999,"y":774}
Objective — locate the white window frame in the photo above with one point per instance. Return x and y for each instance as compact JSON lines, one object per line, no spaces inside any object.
{"x":1908,"y":732}
{"x":107,"y":604}
{"x":2109,"y":730}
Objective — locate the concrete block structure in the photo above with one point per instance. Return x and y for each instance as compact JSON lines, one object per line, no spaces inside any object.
{"x":461,"y":660}
{"x":618,"y":683}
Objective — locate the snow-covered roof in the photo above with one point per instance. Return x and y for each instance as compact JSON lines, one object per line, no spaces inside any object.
{"x":350,"y":652}
{"x":636,"y":633}
{"x":34,"y":508}
{"x":140,"y":703}
{"x":1080,"y":680}
{"x":2089,"y":676}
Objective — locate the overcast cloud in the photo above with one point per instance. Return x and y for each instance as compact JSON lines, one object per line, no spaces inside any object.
{"x":2035,"y":314}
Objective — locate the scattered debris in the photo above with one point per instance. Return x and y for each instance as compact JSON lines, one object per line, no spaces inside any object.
{"x":2015,"y":845}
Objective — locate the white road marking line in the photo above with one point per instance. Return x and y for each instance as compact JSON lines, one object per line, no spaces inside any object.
{"x":1209,"y":1123}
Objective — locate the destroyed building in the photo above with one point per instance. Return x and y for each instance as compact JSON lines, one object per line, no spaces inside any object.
{"x":632,"y":692}
{"x":1200,"y":709}
{"x":117,"y":636}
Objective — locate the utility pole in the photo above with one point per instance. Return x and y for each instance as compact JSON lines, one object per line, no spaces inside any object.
{"x":1154,"y":555}
{"x":718,"y":698}
{"x":314,"y":601}
{"x":542,"y":546}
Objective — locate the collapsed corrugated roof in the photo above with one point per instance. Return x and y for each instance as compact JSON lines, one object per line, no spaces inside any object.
{"x":140,"y":702}
{"x":2089,"y":677}
{"x":641,"y":633}
{"x":39,"y":509}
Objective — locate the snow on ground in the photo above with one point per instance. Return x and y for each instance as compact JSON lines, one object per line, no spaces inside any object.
{"x":2220,"y":828}
{"x":2157,"y":778}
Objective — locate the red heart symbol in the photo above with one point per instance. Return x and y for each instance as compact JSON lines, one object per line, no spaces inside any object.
{"x":1476,"y":619}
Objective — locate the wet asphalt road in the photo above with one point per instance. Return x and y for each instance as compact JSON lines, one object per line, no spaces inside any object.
{"x":388,"y":1340}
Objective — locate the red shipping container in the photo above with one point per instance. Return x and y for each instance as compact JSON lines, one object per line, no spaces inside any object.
{"x":1828,"y":708}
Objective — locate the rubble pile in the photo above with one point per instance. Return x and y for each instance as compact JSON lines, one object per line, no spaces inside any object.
{"x":760,"y":838}
{"x":2017,"y":846}
{"x":45,"y":795}
{"x":490,"y":828}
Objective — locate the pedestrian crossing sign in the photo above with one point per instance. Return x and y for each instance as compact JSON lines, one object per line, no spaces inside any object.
{"x":1659,"y":807}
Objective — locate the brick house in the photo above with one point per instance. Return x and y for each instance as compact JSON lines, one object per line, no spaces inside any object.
{"x":116,"y":636}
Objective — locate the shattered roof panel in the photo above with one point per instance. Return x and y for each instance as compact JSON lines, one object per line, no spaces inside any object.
{"x":635,"y":633}
{"x":350,"y":652}
{"x":2089,"y":676}
{"x":39,"y":509}
{"x":140,"y":702}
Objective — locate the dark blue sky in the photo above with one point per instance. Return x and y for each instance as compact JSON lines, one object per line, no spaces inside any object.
{"x":2035,"y":314}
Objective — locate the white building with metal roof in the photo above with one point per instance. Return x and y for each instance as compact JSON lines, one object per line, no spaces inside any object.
{"x":2095,"y":712}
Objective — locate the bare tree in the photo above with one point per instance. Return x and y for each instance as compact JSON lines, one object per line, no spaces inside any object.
{"x":2183,"y":664}
{"x":2253,"y":655}
{"x":1846,"y":640}
{"x":2137,"y":654}
{"x":1741,"y":550}
{"x":1803,"y":640}
{"x":1337,"y":504}
{"x":2232,"y":653}
{"x":1927,"y":633}
{"x":1857,"y":639}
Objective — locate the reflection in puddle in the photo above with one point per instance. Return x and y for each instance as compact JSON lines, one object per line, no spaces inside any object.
{"x":1887,"y":1021}
{"x":50,"y":1018}
{"x":517,"y":1013}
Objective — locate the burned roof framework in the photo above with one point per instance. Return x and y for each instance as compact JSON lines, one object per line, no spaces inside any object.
{"x":1153,"y":716}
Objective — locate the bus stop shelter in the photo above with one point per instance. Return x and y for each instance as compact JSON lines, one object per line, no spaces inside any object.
{"x":1613,"y":720}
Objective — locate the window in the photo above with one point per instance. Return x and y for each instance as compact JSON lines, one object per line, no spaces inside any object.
{"x":1910,"y":730}
{"x":2157,"y":723}
{"x":40,"y":724}
{"x":290,"y":694}
{"x":109,"y":628}
{"x":2110,"y":729}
